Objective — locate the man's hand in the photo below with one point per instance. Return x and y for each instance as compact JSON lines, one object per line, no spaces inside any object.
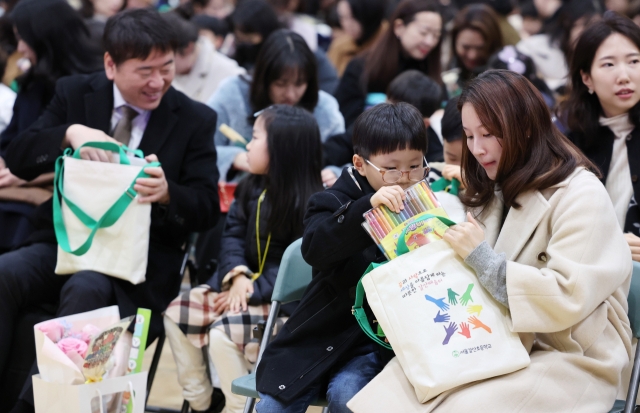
{"x":241,"y":162}
{"x":78,"y":135}
{"x":155,"y":188}
{"x":8,"y":179}
{"x":634,"y":245}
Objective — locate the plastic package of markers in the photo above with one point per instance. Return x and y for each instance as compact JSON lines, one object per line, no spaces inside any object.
{"x":385,"y":226}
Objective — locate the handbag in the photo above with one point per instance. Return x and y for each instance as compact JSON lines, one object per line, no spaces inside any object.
{"x":444,"y":328}
{"x":97,"y":224}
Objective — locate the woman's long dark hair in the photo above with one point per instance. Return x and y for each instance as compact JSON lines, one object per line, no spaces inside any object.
{"x":482,"y":19}
{"x":369,"y":13}
{"x":535,"y":154}
{"x":284,"y":51}
{"x":295,"y":164}
{"x":58,"y":36}
{"x":381,"y":60}
{"x":583,"y":109}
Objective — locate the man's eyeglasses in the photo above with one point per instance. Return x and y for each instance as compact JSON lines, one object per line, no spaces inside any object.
{"x":391,"y":176}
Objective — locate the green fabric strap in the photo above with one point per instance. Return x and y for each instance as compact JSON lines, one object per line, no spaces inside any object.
{"x":357,"y":309}
{"x":113,"y":213}
{"x":359,"y":313}
{"x":443,"y":184}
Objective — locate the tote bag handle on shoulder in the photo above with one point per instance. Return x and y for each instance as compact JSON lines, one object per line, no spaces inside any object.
{"x":357,"y":309}
{"x":113,"y":213}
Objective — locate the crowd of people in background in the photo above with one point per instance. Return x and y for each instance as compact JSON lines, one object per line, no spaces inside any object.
{"x":278,"y":97}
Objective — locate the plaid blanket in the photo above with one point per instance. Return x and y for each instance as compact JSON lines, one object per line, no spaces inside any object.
{"x":193,"y":312}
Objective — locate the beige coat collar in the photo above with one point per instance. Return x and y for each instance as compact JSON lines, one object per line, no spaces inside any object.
{"x":520,"y":223}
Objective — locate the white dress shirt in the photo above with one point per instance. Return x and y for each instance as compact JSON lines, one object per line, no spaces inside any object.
{"x":139,"y":123}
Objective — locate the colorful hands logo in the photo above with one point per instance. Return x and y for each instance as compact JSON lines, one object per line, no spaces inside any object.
{"x":443,"y":317}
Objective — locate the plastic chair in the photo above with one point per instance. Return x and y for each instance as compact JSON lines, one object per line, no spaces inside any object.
{"x":294,"y":275}
{"x":629,"y":405}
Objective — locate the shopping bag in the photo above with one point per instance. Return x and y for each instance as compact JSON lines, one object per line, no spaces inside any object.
{"x":89,"y":398}
{"x":98,"y":225}
{"x":447,"y":193}
{"x":444,"y":328}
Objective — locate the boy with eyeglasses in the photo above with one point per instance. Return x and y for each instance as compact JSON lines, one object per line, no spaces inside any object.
{"x":321,"y":351}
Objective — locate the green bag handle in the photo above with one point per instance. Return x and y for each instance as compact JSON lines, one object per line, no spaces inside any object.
{"x":113,"y":213}
{"x":442,"y":184}
{"x":357,"y":309}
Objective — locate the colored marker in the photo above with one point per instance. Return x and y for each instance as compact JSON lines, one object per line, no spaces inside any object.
{"x":382,"y":221}
{"x":374,"y":226}
{"x":389,"y":217}
{"x":414,"y":204}
{"x":416,"y":197}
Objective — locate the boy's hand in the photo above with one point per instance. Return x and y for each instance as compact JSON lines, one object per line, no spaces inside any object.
{"x":452,"y":171}
{"x":391,"y":196}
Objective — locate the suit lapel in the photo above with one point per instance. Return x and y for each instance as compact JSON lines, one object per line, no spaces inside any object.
{"x":161,"y":123}
{"x":98,"y":104}
{"x":521,"y":223}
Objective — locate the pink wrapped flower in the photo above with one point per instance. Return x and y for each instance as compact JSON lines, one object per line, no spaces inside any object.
{"x":88,"y":332}
{"x":73,"y":345}
{"x":52,"y":329}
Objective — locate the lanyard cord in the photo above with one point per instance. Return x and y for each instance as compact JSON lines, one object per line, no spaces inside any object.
{"x":261,"y":259}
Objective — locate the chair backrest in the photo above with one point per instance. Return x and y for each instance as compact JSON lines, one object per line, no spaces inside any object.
{"x":634,"y":300}
{"x":294,"y":275}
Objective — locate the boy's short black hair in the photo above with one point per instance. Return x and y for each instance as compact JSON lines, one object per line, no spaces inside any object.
{"x":135,"y":34}
{"x":389,"y":127}
{"x":417,"y":89}
{"x":451,"y":126}
{"x":186,"y":31}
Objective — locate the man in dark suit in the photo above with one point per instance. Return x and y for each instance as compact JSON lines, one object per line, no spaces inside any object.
{"x":132,"y":100}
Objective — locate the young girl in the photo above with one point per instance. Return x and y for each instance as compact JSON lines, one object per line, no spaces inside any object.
{"x":603,"y":113}
{"x":544,"y":241}
{"x":284,"y":160}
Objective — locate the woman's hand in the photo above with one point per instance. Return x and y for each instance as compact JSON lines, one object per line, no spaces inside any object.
{"x":241,"y":286}
{"x":465,"y":237}
{"x":634,"y":244}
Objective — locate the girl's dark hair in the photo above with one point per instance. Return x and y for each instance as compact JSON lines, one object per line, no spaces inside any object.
{"x":451,"y":124}
{"x":284,"y":52}
{"x":583,"y":109}
{"x":135,"y":34}
{"x":59,"y":42}
{"x":389,"y":127}
{"x":295,"y":164}
{"x":382,"y":59}
{"x":219,"y":27}
{"x":482,"y":19}
{"x":418,"y":90}
{"x":559,"y":26}
{"x":369,"y":13}
{"x":535,"y":154}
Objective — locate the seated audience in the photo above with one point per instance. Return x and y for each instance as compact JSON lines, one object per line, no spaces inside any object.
{"x":474,"y":38}
{"x":529,"y":189}
{"x":134,"y":93}
{"x":7,"y":98}
{"x":96,"y":13}
{"x":297,"y":23}
{"x":284,"y":160}
{"x":321,"y":350}
{"x":551,"y":49}
{"x":54,"y":47}
{"x":362,"y":24}
{"x":253,"y":21}
{"x":603,"y":113}
{"x":423,"y":93}
{"x":285,"y":73}
{"x":411,"y":42}
{"x":503,"y":12}
{"x":199,"y":67}
{"x":216,"y":30}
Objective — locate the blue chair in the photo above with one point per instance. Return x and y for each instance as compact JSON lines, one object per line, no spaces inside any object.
{"x":294,"y":275}
{"x":628,"y":406}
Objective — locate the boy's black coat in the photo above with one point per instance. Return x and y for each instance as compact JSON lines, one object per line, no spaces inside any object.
{"x":322,"y":333}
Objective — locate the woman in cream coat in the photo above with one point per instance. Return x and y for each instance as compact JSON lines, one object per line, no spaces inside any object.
{"x":545,"y":243}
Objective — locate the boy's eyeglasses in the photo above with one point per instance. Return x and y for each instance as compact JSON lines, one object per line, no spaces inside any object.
{"x":391,"y":176}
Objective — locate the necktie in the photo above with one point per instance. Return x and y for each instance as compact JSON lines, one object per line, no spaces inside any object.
{"x":122,"y":132}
